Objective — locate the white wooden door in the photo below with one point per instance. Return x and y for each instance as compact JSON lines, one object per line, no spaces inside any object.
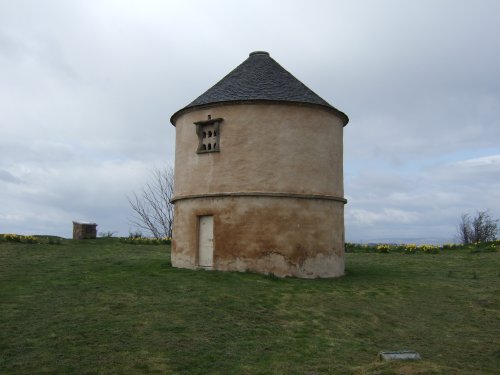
{"x":206,"y":241}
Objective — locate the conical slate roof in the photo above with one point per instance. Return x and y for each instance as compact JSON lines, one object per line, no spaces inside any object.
{"x":259,"y":78}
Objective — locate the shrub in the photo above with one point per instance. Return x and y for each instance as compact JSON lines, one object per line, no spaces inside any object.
{"x":54,"y":241}
{"x":107,"y":234}
{"x":451,"y":246}
{"x":410,"y":248}
{"x":481,"y":228}
{"x":383,"y":248}
{"x":136,"y":234}
{"x":12,"y":237}
{"x":19,"y":238}
{"x":349,"y":247}
{"x":429,"y":249}
{"x":487,"y":247}
{"x":147,"y":241}
{"x":29,"y":239}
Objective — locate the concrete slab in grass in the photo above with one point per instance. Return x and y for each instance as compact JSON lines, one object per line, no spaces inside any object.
{"x":400,"y":355}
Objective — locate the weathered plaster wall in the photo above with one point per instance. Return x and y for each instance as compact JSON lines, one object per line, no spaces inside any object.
{"x":284,"y":236}
{"x":264,"y":148}
{"x":282,"y":148}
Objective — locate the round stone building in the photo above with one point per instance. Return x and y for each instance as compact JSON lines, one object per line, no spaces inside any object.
{"x":259,"y":176}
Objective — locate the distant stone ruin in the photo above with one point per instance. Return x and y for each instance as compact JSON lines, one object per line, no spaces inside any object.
{"x":84,"y":231}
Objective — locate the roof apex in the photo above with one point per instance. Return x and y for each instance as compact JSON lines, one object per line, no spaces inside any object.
{"x":259,"y":53}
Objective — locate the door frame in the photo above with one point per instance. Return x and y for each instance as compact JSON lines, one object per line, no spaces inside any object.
{"x":198,"y":219}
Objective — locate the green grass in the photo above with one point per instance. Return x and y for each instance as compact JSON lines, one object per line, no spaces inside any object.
{"x":107,"y":307}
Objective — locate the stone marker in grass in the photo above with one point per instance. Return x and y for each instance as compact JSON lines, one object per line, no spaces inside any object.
{"x":400,"y":355}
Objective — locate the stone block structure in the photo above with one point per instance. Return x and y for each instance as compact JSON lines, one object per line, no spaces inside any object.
{"x":84,"y":231}
{"x":259,"y":176}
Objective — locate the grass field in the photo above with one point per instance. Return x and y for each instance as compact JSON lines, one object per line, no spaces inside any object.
{"x":106,"y":307}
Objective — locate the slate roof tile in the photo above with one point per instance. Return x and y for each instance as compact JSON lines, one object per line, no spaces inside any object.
{"x":258,"y":78}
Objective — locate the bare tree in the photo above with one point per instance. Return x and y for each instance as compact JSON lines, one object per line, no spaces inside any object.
{"x":465,"y":229}
{"x":152,"y":208}
{"x":481,"y":228}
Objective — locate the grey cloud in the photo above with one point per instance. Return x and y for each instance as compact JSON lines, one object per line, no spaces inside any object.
{"x":428,"y":201}
{"x":9,"y":177}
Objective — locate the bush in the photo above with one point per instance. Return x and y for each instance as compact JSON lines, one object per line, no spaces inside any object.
{"x":54,"y":241}
{"x":429,"y":249}
{"x":485,"y":247}
{"x":406,"y":248}
{"x":107,"y":234}
{"x":19,"y":238}
{"x":147,"y":241}
{"x":29,"y":239}
{"x":136,"y":234}
{"x":12,"y":237}
{"x":481,"y":228}
{"x":410,"y":248}
{"x":383,"y":248}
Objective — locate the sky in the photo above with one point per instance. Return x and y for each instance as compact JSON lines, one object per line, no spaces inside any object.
{"x":87,"y":89}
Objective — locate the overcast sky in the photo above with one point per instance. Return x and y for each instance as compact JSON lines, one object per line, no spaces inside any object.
{"x":87,"y":89}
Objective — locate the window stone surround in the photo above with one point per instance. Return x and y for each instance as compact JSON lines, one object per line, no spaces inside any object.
{"x":208,"y":132}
